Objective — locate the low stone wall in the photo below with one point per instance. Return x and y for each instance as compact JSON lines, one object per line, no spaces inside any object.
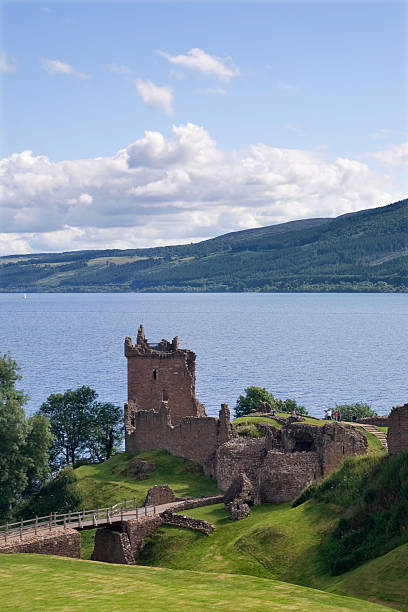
{"x":379,"y":421}
{"x":397,"y":436}
{"x":64,"y":543}
{"x":178,"y":520}
{"x":198,"y":503}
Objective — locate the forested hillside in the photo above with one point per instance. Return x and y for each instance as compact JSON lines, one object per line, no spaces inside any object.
{"x":362,"y":251}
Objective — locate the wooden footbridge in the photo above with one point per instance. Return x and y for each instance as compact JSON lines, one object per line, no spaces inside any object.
{"x":83,"y":519}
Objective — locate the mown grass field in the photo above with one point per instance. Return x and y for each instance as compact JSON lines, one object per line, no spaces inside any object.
{"x":40,"y":582}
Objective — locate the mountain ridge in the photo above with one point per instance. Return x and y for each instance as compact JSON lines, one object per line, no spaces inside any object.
{"x":362,"y":251}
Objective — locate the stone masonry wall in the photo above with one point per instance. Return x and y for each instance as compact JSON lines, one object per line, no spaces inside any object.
{"x":64,"y":543}
{"x":283,"y":463}
{"x":397,"y":437}
{"x":157,"y":373}
{"x":283,"y":476}
{"x":124,"y":543}
{"x":194,"y":438}
{"x":378,"y":421}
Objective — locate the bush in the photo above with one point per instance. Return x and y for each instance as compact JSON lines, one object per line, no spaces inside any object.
{"x":256,"y":396}
{"x":60,"y":494}
{"x":249,"y":430}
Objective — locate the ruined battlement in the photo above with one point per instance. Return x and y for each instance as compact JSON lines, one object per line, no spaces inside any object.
{"x":159,"y":373}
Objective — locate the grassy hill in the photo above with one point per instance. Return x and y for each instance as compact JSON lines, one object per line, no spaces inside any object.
{"x":362,"y":251}
{"x":38,"y":583}
{"x":271,"y":559}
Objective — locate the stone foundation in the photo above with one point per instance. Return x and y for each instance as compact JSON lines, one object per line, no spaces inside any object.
{"x":124,"y":543}
{"x":61,"y":542}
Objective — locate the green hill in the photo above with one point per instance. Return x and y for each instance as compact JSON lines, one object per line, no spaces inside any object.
{"x":274,"y":558}
{"x":38,"y":583}
{"x":362,"y":251}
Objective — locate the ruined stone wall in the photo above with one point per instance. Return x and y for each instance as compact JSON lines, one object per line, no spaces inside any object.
{"x":64,"y":543}
{"x":282,"y":476}
{"x":286,"y":461}
{"x":397,"y":436}
{"x":194,"y":438}
{"x":238,"y":456}
{"x":378,"y":421}
{"x":157,"y":373}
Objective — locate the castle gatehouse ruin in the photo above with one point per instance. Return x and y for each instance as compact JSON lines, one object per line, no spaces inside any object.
{"x":163,"y":413}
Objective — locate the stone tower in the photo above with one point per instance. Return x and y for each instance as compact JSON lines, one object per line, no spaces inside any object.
{"x":160,"y":373}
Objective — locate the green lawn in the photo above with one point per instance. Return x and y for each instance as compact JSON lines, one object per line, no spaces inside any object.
{"x":41,"y":582}
{"x":107,"y":483}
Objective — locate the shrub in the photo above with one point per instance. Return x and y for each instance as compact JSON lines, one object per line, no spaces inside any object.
{"x":254,"y":398}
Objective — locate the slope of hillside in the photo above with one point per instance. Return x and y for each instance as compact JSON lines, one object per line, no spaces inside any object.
{"x":42,"y":582}
{"x":362,"y":251}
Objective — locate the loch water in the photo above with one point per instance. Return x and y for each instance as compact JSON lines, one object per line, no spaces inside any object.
{"x":319,"y":349}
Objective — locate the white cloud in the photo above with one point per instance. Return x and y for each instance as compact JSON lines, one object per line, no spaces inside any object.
{"x":396,"y":155}
{"x":155,"y":96}
{"x":171,"y":190}
{"x":6,"y":64}
{"x":54,"y":67}
{"x":197,"y":59}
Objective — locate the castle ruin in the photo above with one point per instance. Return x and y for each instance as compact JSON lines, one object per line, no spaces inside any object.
{"x":163,"y":413}
{"x":159,"y":373}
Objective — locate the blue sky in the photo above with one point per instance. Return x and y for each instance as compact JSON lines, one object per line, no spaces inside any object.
{"x":275,"y":94}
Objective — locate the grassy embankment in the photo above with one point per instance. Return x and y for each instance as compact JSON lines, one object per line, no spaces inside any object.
{"x":37,"y":583}
{"x":277,"y":542}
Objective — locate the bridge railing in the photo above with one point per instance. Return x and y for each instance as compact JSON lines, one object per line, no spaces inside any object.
{"x":79,"y":519}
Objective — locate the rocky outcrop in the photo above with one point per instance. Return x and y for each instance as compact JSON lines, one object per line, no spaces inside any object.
{"x":397,"y":436}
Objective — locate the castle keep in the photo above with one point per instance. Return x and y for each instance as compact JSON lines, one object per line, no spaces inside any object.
{"x":159,"y":373}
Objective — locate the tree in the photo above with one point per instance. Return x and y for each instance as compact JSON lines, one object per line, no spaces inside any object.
{"x":290,"y":405}
{"x":24,"y":443}
{"x":360,"y":409}
{"x":254,"y":398}
{"x":107,"y":433}
{"x":59,"y":494}
{"x":71,"y":417}
{"x":82,"y":427}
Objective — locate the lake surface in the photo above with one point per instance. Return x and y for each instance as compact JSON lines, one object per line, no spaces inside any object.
{"x":319,"y":349}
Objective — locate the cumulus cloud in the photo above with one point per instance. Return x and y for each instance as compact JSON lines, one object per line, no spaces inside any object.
{"x":54,"y":67}
{"x":162,"y":190}
{"x":7,"y":64}
{"x":197,"y":59}
{"x":155,"y":96}
{"x":396,"y":155}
